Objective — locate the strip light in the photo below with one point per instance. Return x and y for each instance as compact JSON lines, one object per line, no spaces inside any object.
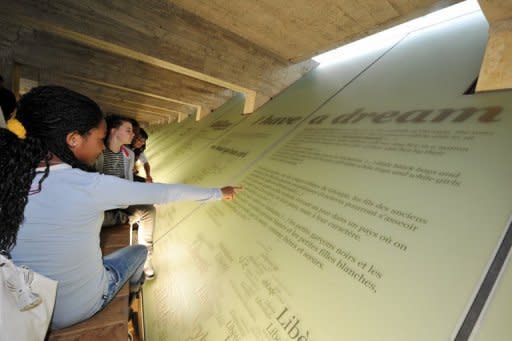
{"x":394,"y":34}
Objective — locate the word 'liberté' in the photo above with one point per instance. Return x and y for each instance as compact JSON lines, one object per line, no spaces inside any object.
{"x":290,"y":325}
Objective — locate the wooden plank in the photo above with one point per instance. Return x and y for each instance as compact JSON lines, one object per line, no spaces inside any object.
{"x":115,"y":236}
{"x":113,"y":320}
{"x":116,"y":332}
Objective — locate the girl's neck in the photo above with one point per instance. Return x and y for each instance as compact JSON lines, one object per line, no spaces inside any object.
{"x":55,"y":160}
{"x":114,"y":145}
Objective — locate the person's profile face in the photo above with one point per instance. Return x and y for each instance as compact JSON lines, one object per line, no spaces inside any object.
{"x":124,"y":133}
{"x":91,"y":145}
{"x":139,"y":142}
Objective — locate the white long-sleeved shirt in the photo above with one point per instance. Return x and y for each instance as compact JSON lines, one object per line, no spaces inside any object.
{"x":59,"y":237}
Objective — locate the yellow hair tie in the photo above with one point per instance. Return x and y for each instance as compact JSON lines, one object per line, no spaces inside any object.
{"x":17,"y":128}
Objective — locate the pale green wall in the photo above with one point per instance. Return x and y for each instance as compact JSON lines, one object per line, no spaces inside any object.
{"x":227,"y":271}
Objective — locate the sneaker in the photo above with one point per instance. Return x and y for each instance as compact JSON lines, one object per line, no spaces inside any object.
{"x":149,"y":272}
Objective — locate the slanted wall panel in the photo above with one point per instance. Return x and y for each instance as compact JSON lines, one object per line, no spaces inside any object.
{"x":372,"y":215}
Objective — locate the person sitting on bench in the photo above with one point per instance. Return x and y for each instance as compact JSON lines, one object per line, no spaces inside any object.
{"x":52,"y":201}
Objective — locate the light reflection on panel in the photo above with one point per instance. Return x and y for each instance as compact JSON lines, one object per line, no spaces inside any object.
{"x":241,"y":144}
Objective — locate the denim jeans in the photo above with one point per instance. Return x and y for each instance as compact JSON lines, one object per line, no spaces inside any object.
{"x":126,"y":264}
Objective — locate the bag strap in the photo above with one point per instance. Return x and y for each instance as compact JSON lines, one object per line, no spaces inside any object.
{"x":6,"y":254}
{"x":5,"y":257}
{"x":17,"y":281}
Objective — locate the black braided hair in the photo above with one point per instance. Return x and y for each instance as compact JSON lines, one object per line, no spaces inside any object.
{"x":49,"y":114}
{"x":18,"y":162}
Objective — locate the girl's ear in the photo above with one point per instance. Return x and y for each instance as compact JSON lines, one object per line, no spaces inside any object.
{"x":112,"y":132}
{"x":73,"y":139}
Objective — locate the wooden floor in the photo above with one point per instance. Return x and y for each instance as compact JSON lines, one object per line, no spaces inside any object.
{"x":135,"y":327}
{"x":112,"y":322}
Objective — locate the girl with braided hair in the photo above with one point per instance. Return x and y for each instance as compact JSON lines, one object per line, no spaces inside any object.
{"x":52,"y":202}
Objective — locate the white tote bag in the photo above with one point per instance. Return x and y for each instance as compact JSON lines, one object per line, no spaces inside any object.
{"x":26,"y":302}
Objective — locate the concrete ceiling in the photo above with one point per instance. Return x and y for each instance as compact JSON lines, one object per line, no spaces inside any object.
{"x":297,"y":30}
{"x":158,"y":60}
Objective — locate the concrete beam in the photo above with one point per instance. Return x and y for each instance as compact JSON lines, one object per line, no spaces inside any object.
{"x":134,"y":91}
{"x":167,"y":37}
{"x":182,"y":117}
{"x":135,"y":55}
{"x":496,"y":71}
{"x":135,"y":103}
{"x":146,"y":116}
{"x":8,"y":37}
{"x":58,"y":55}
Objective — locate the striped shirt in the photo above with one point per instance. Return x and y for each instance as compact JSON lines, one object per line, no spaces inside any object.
{"x":113,"y":163}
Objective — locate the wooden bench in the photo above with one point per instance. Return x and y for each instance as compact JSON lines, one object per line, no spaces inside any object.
{"x":110,"y":323}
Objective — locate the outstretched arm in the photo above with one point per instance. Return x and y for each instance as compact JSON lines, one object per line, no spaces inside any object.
{"x":109,"y":192}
